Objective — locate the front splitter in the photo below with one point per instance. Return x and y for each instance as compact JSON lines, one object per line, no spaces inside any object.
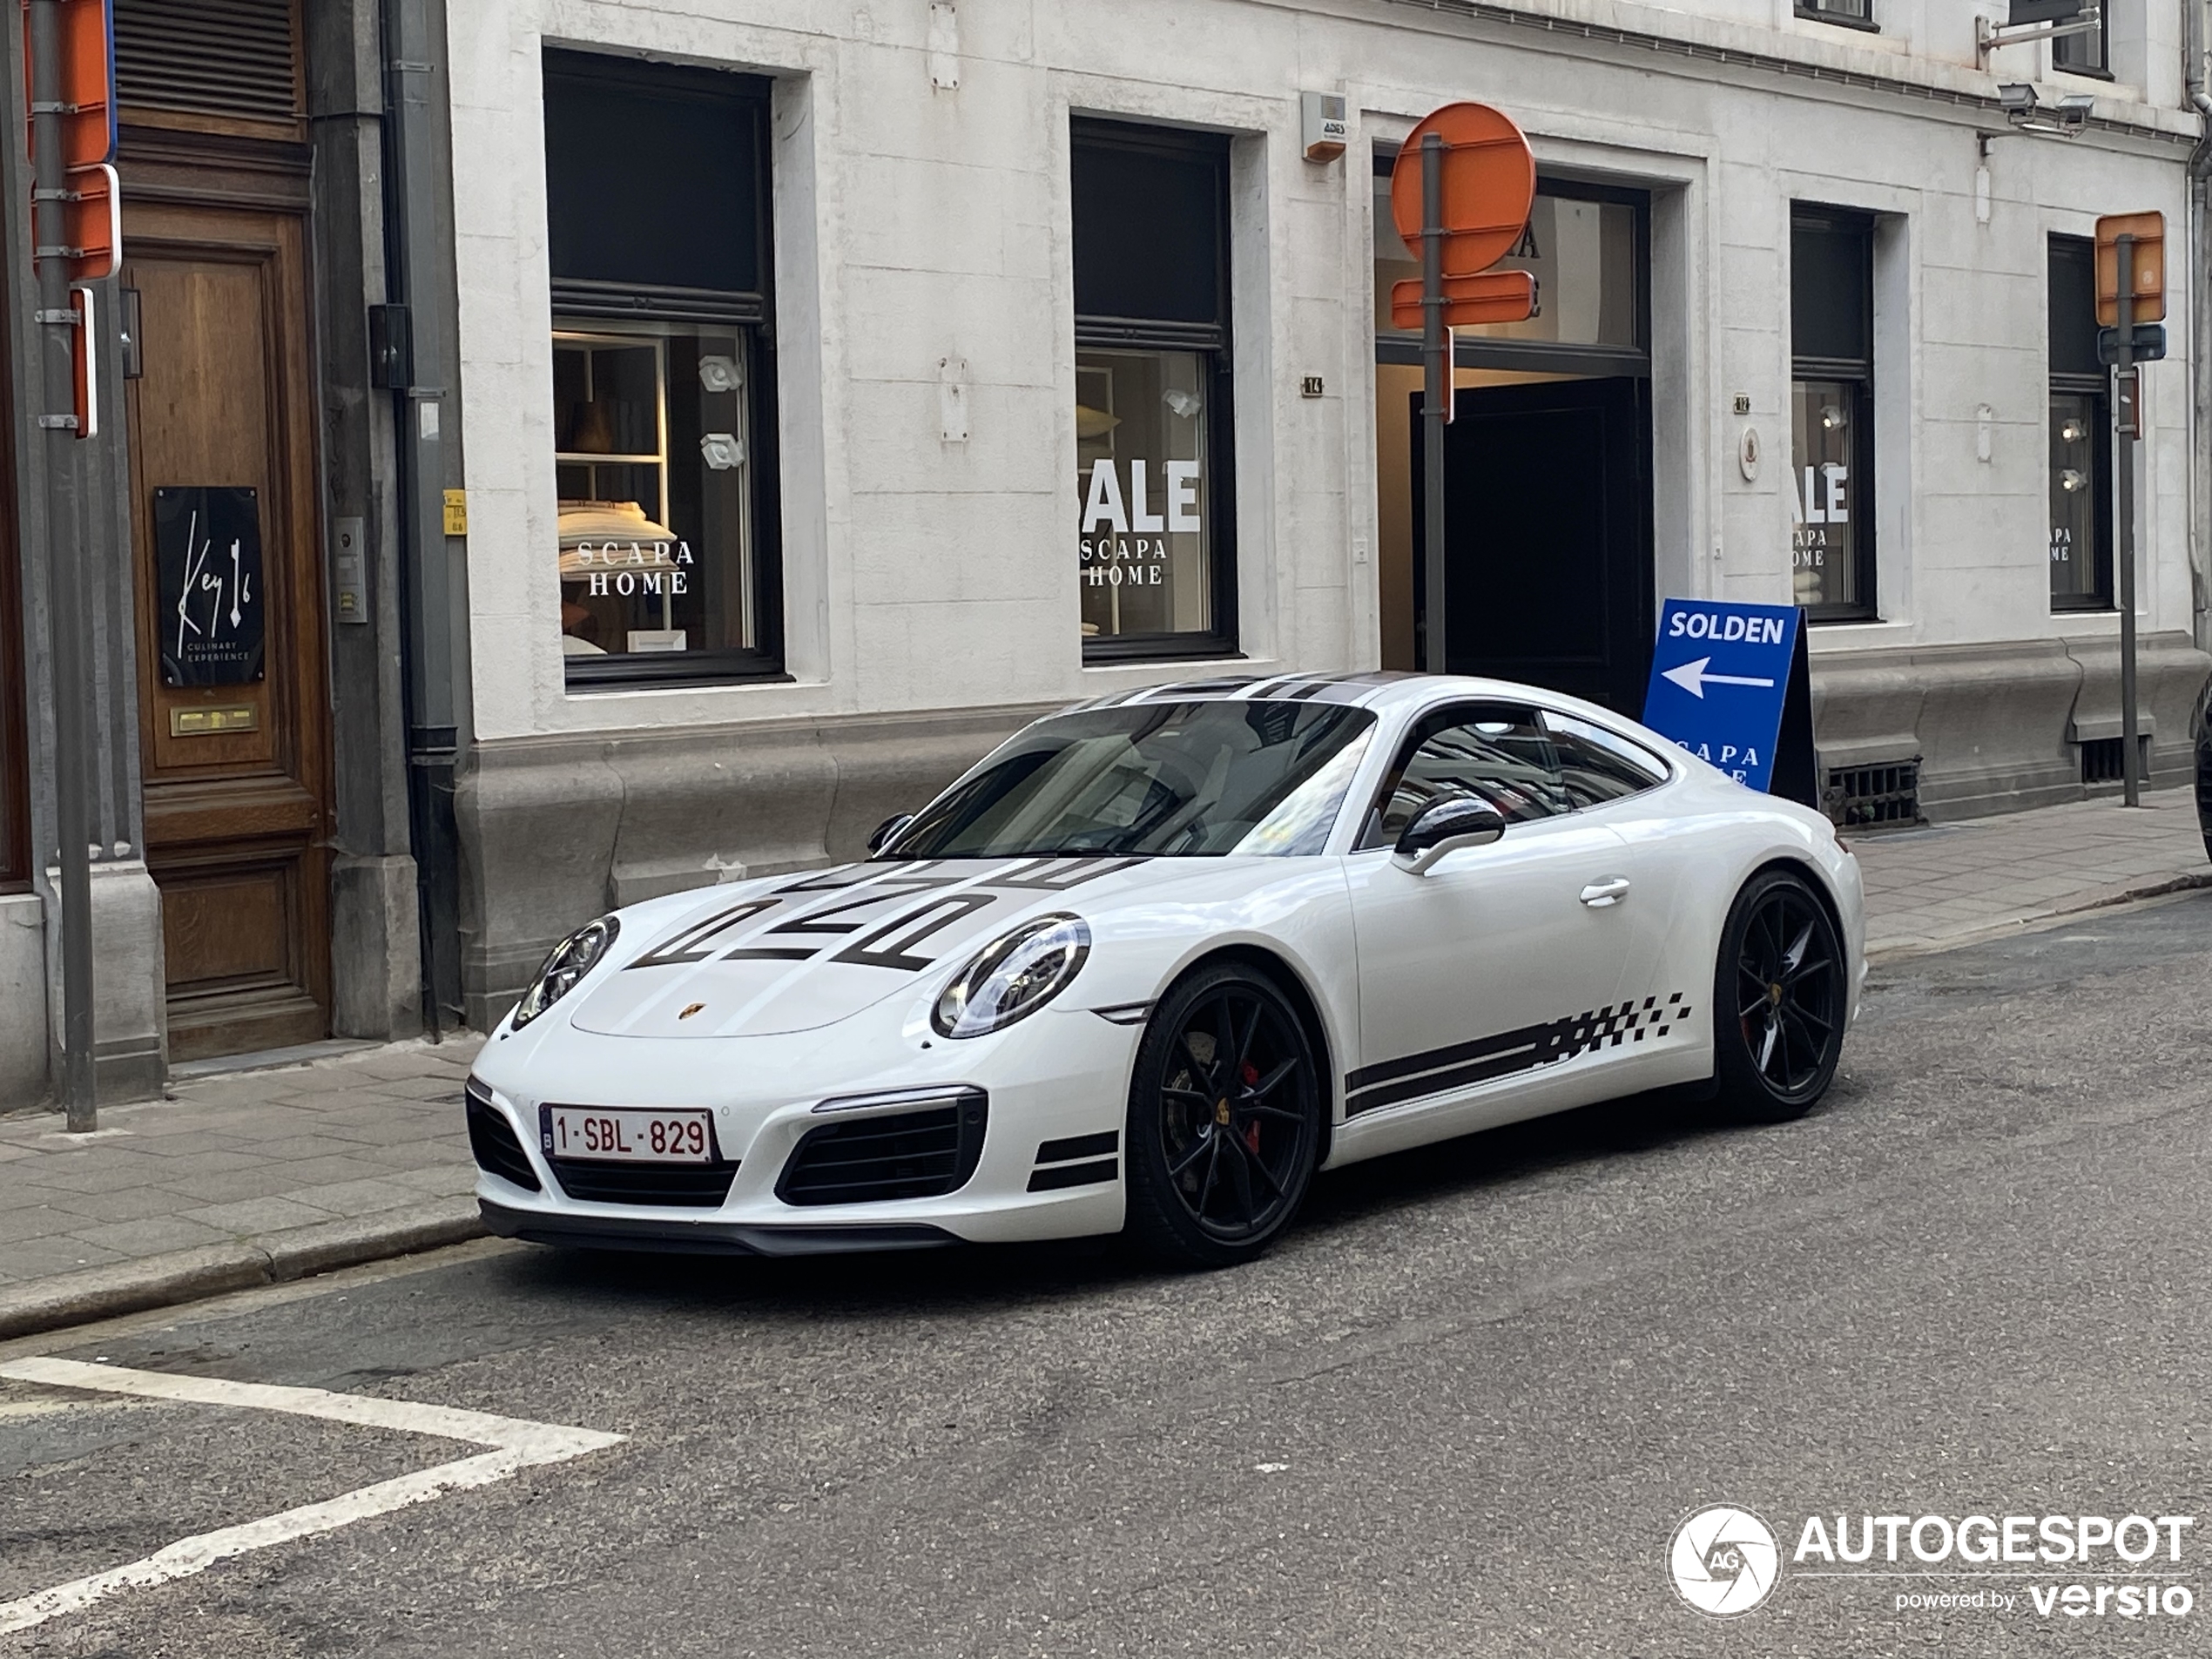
{"x":704,"y":1237}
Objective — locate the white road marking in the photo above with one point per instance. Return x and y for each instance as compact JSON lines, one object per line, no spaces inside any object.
{"x":516,"y":1443}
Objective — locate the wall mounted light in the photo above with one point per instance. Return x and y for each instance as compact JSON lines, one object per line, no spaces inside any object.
{"x":2064,"y":120}
{"x":2072,"y":432}
{"x":1833,"y":418}
{"x":2070,"y":481}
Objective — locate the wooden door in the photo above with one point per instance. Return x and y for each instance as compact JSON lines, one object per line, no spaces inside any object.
{"x":15,"y":769}
{"x":237,"y":774}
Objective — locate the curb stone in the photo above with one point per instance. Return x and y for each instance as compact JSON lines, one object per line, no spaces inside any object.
{"x":263,"y":1258}
{"x":2080,"y":904}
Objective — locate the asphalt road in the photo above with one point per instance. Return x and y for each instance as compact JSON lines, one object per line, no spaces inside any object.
{"x":1461,"y":1412}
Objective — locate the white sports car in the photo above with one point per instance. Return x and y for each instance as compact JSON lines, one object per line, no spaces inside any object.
{"x":1155,"y":960}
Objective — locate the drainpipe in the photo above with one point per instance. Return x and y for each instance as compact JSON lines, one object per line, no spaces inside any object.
{"x":419,"y":285}
{"x":2199,"y":170}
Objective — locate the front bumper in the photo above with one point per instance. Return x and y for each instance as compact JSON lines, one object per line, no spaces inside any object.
{"x":1055,"y":1080}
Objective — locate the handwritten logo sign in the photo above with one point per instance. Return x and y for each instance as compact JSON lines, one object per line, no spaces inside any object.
{"x":207,"y":546}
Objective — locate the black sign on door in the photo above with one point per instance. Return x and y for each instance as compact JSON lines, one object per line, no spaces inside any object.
{"x":208,"y":544}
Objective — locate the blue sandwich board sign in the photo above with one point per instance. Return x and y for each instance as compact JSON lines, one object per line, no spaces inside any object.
{"x":1730,"y":684}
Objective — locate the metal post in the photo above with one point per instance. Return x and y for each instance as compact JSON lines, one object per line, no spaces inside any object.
{"x":65,"y":579}
{"x":1436,"y":387}
{"x":2130,"y":380}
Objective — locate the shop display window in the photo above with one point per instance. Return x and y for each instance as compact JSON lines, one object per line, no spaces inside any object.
{"x":1832,"y":415}
{"x":1154,"y":442}
{"x":663,"y":376}
{"x":2080,"y":435}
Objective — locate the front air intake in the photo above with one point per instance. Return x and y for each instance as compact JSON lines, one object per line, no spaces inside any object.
{"x":702,"y":1186}
{"x":901,"y":1155}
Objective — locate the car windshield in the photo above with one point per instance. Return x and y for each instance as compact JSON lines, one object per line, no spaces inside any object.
{"x":1170,"y":780}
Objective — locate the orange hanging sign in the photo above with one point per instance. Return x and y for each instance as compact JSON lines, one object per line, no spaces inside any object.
{"x":1488,"y":296}
{"x":87,"y":41}
{"x":1489,"y":185}
{"x":2146,"y":281}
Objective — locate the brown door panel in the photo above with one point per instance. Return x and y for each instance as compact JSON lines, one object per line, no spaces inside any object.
{"x":237,"y":777}
{"x":196,"y":814}
{"x":230,"y":926}
{"x":231,"y":933}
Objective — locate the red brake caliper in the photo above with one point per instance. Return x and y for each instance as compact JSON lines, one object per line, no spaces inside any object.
{"x":1252,"y":1129}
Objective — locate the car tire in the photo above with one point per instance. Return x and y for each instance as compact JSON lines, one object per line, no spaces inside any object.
{"x":1219,"y":1155}
{"x":1778,"y":1000}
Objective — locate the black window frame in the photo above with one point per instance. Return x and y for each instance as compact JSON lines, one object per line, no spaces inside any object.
{"x":1471,"y":350}
{"x":2099,"y":71}
{"x":2078,"y":381}
{"x":1215,"y":342}
{"x":1818,"y":11}
{"x":1859,"y":373}
{"x":589,"y":302}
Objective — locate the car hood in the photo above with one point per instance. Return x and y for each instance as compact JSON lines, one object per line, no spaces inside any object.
{"x":793,"y":954}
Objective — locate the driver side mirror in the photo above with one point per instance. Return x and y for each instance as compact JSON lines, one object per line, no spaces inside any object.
{"x":888,"y":831}
{"x":1445,"y":826}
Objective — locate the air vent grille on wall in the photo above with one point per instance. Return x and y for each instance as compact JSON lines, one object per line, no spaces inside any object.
{"x":238,"y":58}
{"x":2104,"y":760}
{"x":1870,"y":797}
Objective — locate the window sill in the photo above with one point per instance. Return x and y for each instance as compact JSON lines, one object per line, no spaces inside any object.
{"x":593,"y":676}
{"x":2084,"y":607}
{"x":1831,"y":616}
{"x":1160,"y":648}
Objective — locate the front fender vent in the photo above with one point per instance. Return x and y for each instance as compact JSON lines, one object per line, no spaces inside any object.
{"x":497,"y":1149}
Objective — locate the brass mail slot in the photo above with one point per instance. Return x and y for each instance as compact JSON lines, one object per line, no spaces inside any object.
{"x":220,"y":717}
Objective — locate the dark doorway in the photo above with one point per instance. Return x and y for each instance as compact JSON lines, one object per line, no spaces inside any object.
{"x":1547,"y":536}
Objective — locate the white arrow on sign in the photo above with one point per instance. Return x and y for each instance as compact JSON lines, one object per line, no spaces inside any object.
{"x":1693,"y":679}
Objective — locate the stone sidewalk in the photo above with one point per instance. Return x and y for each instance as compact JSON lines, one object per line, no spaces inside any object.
{"x":238,"y":1178}
{"x":1933,"y":888}
{"x":246,"y":1176}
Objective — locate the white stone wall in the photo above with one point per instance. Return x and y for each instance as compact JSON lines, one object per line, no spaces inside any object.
{"x":916,"y":224}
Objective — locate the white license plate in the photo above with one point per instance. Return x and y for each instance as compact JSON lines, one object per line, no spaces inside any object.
{"x":629,"y":1135}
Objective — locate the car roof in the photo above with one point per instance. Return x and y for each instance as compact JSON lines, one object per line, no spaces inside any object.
{"x":1382,"y":690}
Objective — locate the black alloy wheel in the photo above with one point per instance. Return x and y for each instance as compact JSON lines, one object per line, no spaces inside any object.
{"x":1224,"y":1118}
{"x":1778,"y":1000}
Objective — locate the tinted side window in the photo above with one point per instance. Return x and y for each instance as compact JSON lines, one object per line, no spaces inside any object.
{"x":1595,"y":765}
{"x":1495,"y":754}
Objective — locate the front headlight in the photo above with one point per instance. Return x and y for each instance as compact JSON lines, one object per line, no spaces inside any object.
{"x":1015,"y":974}
{"x":571,"y":959}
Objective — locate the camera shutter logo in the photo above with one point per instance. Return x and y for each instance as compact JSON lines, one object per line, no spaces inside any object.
{"x":1724,"y":1561}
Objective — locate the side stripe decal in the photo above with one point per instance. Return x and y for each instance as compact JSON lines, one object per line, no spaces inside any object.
{"x":1461,"y":1065}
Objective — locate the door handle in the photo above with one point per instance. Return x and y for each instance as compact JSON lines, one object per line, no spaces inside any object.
{"x":1612,"y":890}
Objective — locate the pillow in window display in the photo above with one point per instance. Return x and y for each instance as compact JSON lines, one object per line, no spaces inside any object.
{"x":641,"y":544}
{"x":608,"y":521}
